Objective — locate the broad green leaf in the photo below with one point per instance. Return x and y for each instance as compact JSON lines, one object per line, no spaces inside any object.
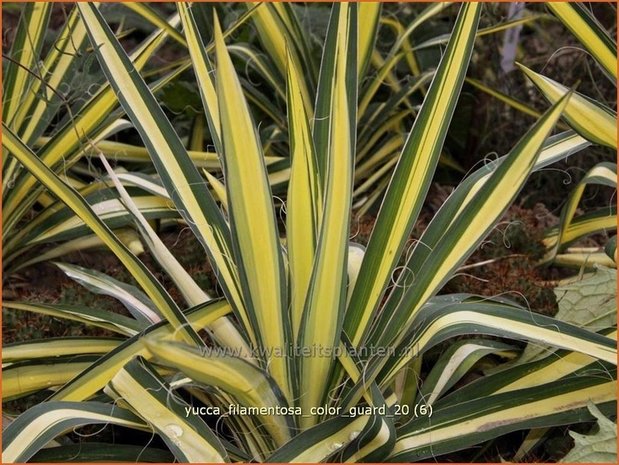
{"x":600,"y":447}
{"x":590,"y":302}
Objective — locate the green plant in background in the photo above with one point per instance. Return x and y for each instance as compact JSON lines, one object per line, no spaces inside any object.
{"x":31,"y":105}
{"x":598,"y":447}
{"x":598,"y":124}
{"x":592,"y":120}
{"x":392,"y":83}
{"x":314,"y":322}
{"x":62,"y":127}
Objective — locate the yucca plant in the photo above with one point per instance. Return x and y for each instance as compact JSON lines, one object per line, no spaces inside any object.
{"x":593,"y":121}
{"x":323,"y":358}
{"x":32,"y":102}
{"x":44,"y":105}
{"x":598,"y":124}
{"x":392,"y":82}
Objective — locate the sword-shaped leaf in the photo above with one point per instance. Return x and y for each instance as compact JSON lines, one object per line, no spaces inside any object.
{"x":412,"y":176}
{"x":590,"y":33}
{"x":326,"y":295}
{"x":255,"y":237}
{"x":73,"y":200}
{"x":180,"y":177}
{"x":589,"y":118}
